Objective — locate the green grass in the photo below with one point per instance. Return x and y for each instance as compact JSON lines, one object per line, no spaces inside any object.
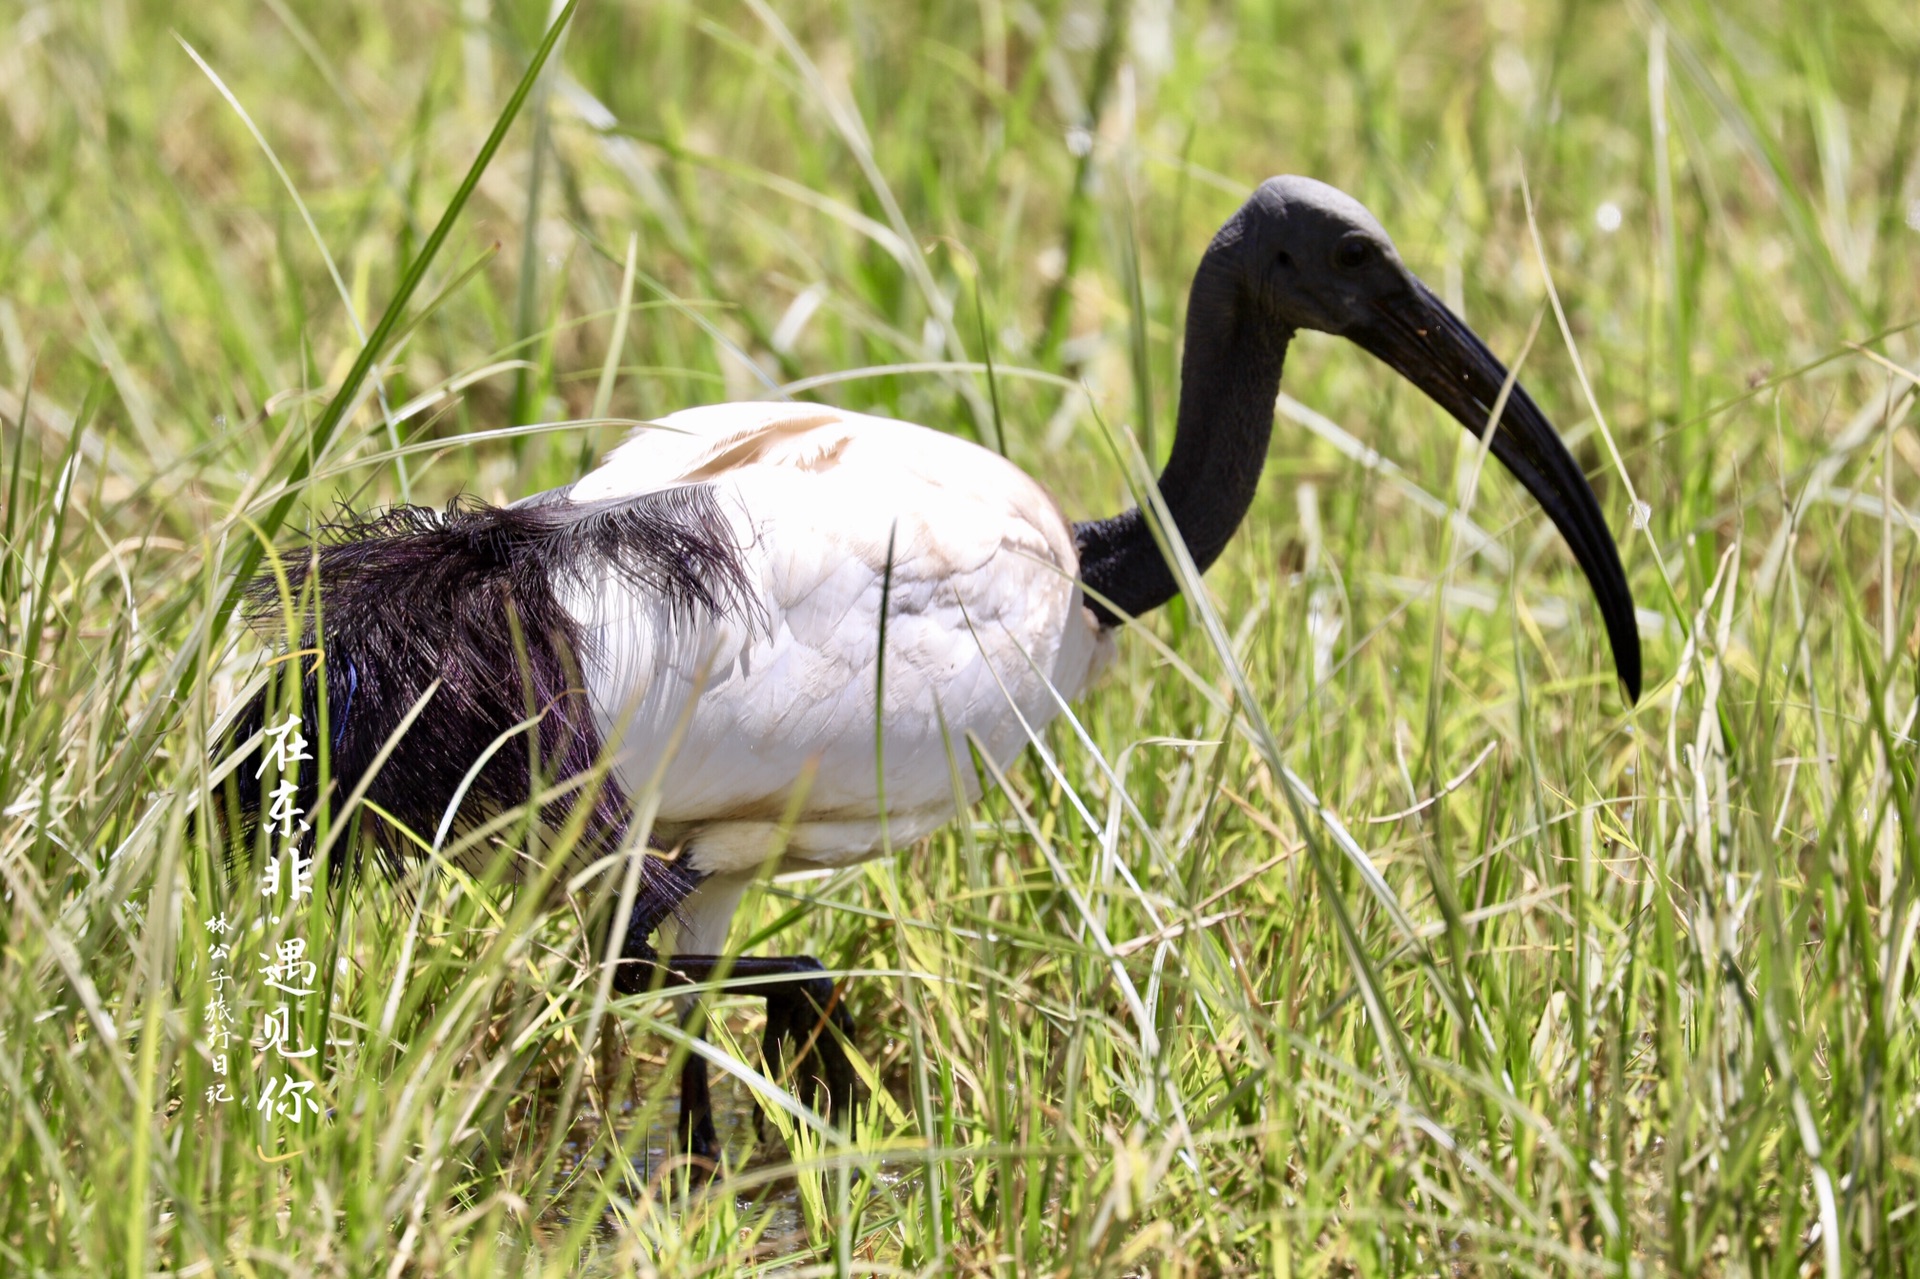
{"x":1356,"y":928}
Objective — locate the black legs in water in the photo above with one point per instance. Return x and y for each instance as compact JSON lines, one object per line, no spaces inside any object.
{"x":803,"y":1011}
{"x":821,"y":1074}
{"x":697,"y":1135}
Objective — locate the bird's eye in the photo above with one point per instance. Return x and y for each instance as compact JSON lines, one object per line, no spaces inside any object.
{"x":1285,"y":260}
{"x":1353,"y":254}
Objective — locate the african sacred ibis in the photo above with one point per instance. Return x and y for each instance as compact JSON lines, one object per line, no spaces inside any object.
{"x":706,"y":606}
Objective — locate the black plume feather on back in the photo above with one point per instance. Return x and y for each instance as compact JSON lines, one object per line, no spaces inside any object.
{"x":470,"y":596}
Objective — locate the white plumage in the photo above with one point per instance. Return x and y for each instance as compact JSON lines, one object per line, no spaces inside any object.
{"x":732,"y":719}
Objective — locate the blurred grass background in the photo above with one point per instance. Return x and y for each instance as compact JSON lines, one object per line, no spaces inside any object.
{"x":1540,"y":984}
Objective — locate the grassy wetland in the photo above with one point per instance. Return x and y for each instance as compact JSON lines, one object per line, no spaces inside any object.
{"x":1352,"y":926}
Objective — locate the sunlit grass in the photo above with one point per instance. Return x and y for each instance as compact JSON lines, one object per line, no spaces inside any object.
{"x":1352,"y":925}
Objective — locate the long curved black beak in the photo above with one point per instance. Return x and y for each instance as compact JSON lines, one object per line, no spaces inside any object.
{"x":1420,"y":339}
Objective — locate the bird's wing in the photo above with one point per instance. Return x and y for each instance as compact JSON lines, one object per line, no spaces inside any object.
{"x":835,"y":512}
{"x":701,"y":444}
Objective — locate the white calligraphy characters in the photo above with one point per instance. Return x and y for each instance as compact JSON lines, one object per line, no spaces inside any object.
{"x":220,"y":1018}
{"x":286,"y":748}
{"x":286,"y":968}
{"x":287,"y":877}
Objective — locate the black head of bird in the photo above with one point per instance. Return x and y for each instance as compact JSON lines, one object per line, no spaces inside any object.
{"x":755,"y":612}
{"x":1311,"y":256}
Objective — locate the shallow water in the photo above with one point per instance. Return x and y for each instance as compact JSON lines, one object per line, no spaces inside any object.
{"x":772,"y":1206}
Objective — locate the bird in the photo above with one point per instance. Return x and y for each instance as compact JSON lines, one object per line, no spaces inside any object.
{"x":777,"y":620}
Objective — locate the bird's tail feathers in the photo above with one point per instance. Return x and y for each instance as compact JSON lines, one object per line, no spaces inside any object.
{"x":460,"y":609}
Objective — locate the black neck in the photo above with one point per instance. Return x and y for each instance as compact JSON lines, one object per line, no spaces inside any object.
{"x":1229,"y":376}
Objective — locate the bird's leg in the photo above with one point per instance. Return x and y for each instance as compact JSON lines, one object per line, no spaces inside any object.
{"x":801,"y":1002}
{"x":697,"y":1134}
{"x":804,"y":1007}
{"x":640,"y":971}
{"x":665,"y":886}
